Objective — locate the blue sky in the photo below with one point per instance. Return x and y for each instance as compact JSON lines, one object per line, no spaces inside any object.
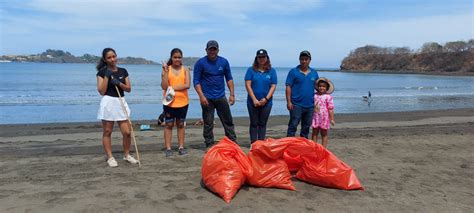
{"x":151,"y":28}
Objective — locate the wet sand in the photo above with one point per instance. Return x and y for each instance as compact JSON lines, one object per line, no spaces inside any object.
{"x":407,"y":162}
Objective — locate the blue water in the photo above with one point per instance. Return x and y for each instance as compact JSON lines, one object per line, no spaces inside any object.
{"x":45,"y":93}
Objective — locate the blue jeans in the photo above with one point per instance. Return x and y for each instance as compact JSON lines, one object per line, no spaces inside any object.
{"x":258,"y":121}
{"x":305,"y":115}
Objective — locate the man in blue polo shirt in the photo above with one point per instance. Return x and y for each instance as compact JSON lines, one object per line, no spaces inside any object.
{"x":300,"y":95}
{"x":209,"y":73}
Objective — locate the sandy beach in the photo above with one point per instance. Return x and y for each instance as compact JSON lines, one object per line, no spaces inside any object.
{"x":407,"y":161}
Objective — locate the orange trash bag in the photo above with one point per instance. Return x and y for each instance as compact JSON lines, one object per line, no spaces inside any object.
{"x":297,"y":146}
{"x":294,"y":163}
{"x":323,"y":168}
{"x":225,"y":168}
{"x":269,"y":168}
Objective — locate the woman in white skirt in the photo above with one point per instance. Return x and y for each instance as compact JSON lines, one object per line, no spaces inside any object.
{"x":109,"y":76}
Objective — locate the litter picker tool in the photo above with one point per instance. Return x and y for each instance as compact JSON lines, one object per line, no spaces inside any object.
{"x":131,"y":126}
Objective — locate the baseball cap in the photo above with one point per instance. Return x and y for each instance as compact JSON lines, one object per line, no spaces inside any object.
{"x":305,"y":53}
{"x":261,"y":52}
{"x":212,"y":43}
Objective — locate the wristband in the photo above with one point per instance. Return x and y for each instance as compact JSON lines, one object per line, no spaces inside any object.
{"x":266,"y":98}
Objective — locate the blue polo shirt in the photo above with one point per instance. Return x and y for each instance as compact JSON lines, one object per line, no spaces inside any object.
{"x":261,"y":83}
{"x":210,"y":75}
{"x":302,"y":87}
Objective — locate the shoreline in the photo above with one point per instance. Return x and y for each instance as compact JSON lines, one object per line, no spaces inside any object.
{"x":405,"y":72}
{"x":8,"y":130}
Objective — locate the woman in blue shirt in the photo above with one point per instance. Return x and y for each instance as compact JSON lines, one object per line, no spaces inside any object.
{"x":260,"y":82}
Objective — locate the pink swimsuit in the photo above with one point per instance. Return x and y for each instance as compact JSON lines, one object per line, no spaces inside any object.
{"x":321,"y":119}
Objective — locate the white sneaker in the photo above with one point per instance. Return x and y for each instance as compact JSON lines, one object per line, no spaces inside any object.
{"x":130,"y":159}
{"x":112,"y":162}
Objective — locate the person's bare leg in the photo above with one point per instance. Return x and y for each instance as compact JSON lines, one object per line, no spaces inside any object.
{"x":180,"y":130}
{"x":125,"y":128}
{"x":168,"y":134}
{"x":325,"y":137}
{"x":314,"y":136}
{"x":107,"y":127}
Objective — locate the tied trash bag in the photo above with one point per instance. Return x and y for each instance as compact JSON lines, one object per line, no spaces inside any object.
{"x":269,"y":168}
{"x":225,"y":168}
{"x":323,"y":168}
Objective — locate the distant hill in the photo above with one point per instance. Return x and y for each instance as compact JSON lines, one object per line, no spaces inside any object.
{"x":190,"y":61}
{"x":456,"y":56}
{"x":60,"y":56}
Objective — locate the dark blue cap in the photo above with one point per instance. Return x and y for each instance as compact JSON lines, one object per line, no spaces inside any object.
{"x":212,"y":43}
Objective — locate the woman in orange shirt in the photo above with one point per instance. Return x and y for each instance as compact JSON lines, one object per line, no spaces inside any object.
{"x":175,"y":76}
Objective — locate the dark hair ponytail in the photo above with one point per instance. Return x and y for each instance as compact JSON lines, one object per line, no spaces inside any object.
{"x":173,"y":51}
{"x":102,"y":64}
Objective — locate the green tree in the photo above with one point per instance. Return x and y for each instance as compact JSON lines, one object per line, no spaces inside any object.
{"x":455,"y":46}
{"x":402,"y":50}
{"x":431,"y":47}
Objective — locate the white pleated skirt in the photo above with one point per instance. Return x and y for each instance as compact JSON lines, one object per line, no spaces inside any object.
{"x":111,"y":109}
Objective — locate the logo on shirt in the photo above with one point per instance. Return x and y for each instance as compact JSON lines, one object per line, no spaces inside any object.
{"x":268,"y":77}
{"x":120,"y":77}
{"x":221,"y":68}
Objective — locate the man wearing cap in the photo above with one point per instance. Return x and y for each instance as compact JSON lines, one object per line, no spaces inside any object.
{"x":299,"y":95}
{"x":211,"y":72}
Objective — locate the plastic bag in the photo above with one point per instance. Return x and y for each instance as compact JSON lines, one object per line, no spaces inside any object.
{"x":297,"y":146}
{"x":269,"y":168}
{"x":323,"y":168}
{"x":225,"y":168}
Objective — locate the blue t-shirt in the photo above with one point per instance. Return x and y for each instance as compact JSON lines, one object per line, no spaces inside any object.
{"x":302,"y":86}
{"x":210,"y":75}
{"x":261,"y":83}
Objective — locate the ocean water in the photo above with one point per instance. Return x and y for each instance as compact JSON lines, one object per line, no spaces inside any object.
{"x":47,"y":93}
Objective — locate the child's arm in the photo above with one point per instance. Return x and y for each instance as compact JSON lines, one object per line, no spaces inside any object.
{"x":331,"y":110}
{"x":331,"y":117}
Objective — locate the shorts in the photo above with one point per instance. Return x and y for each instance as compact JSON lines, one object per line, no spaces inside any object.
{"x":172,"y":114}
{"x":111,"y":109}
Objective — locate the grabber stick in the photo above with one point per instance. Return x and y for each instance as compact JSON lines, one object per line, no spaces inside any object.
{"x":131,"y":126}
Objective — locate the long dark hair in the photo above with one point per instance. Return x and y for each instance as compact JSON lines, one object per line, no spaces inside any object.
{"x":267,"y":66}
{"x":102,"y":64}
{"x":173,"y":51}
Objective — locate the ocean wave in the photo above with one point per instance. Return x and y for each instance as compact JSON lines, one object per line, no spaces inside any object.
{"x":95,"y":100}
{"x":424,"y":88}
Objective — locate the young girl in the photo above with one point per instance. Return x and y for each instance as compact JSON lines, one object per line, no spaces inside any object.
{"x":111,"y":78}
{"x":175,"y":75}
{"x":323,"y":114}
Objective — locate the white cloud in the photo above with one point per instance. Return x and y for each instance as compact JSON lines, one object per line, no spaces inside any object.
{"x":175,"y":10}
{"x":336,"y":39}
{"x":138,"y":18}
{"x":150,"y":29}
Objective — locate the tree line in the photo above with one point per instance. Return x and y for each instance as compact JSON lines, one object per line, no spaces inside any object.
{"x":454,"y":56}
{"x":428,"y":47}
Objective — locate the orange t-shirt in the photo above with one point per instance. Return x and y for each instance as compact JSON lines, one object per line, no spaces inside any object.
{"x":181,"y":98}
